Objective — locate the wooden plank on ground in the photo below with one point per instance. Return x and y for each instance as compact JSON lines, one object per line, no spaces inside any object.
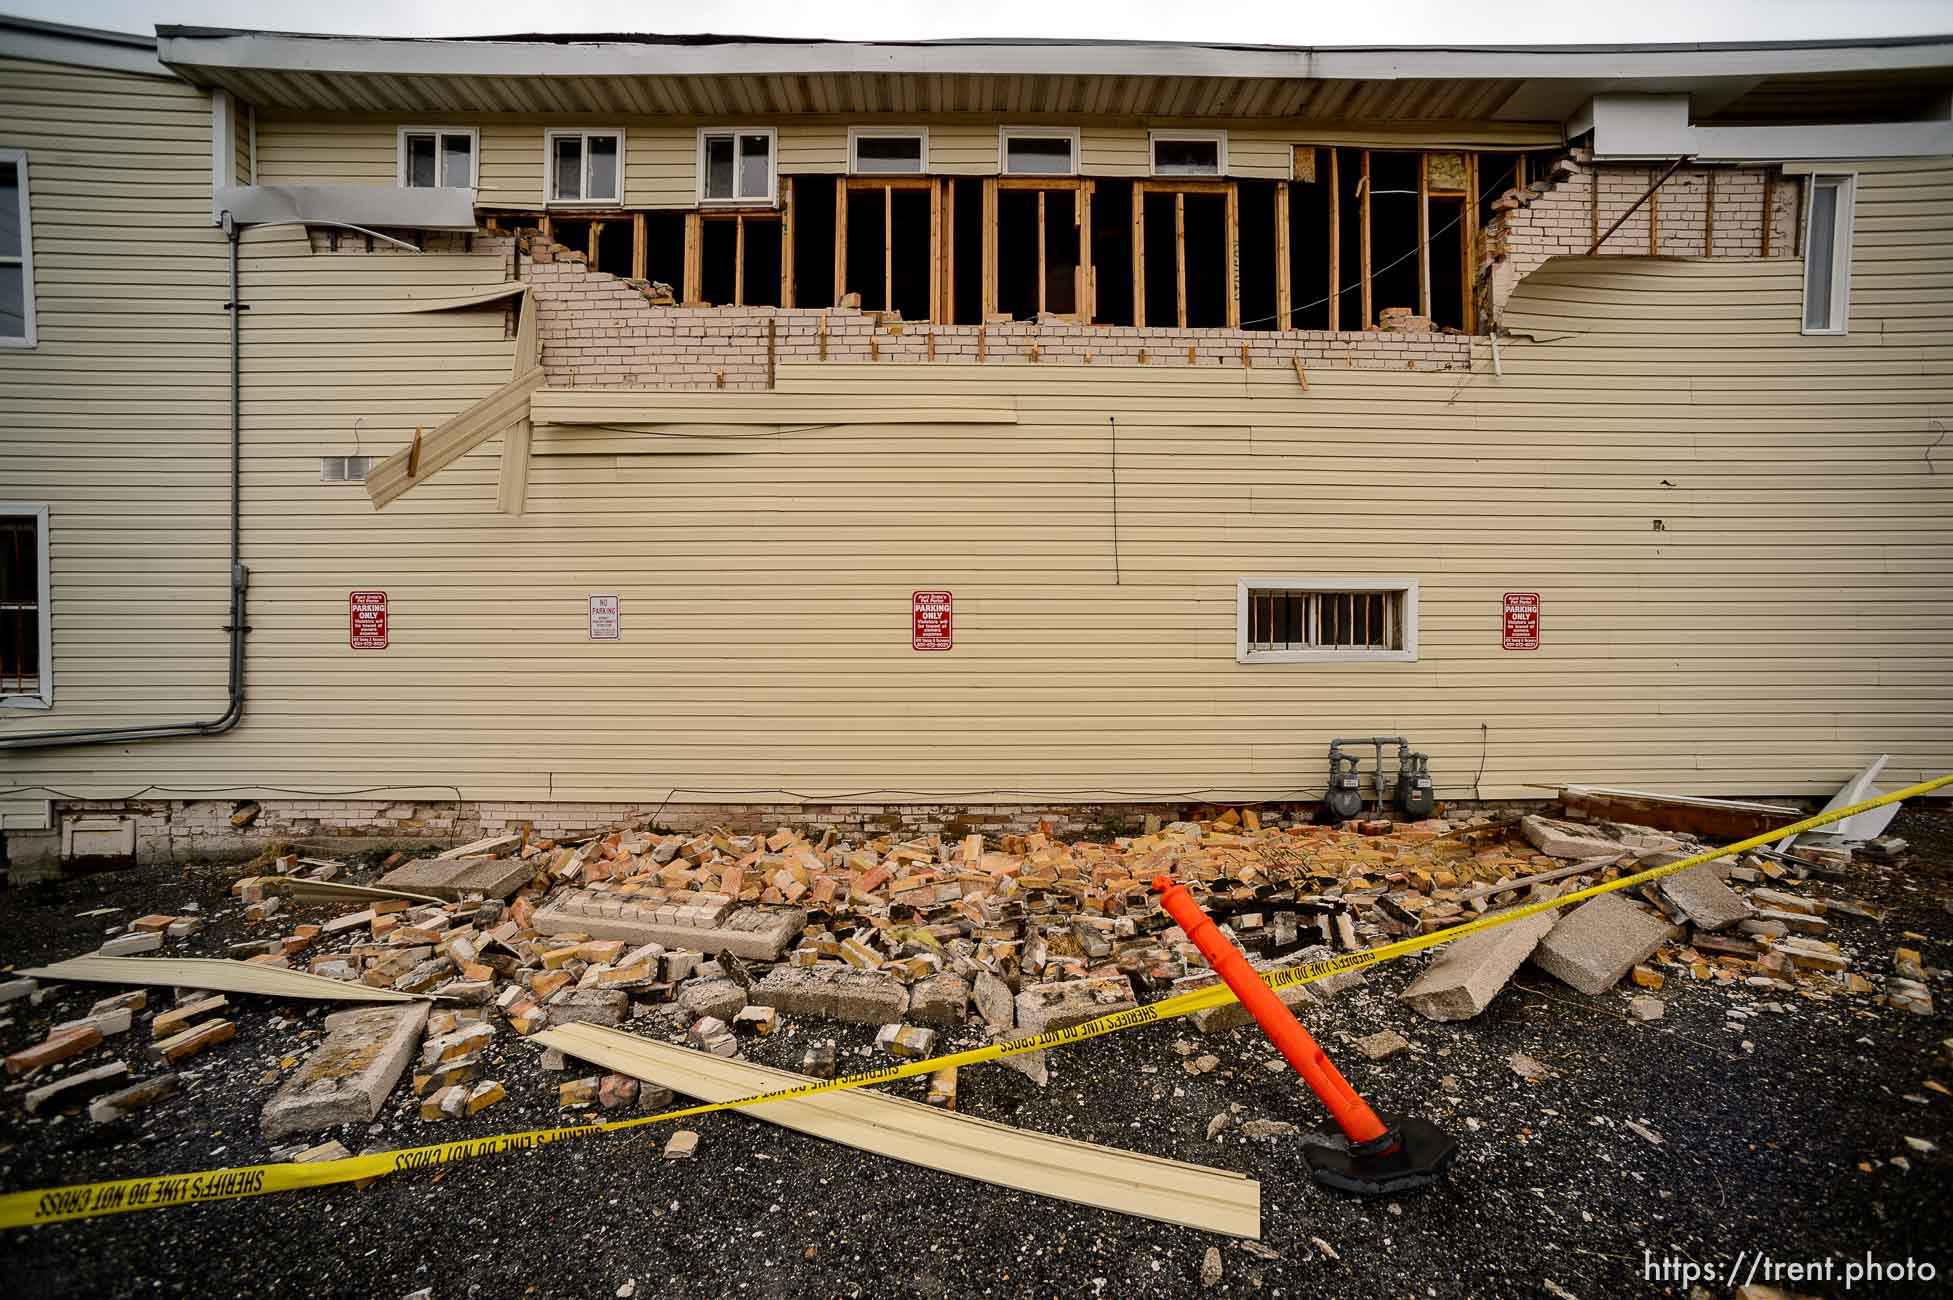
{"x":1083,"y":1173}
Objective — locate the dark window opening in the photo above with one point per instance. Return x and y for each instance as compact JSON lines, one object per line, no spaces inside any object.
{"x":1036,"y":273}
{"x":966,"y":288}
{"x":813,"y":241}
{"x":1348,"y":176}
{"x":1449,"y":272}
{"x":664,"y":250}
{"x":865,"y":251}
{"x":1395,"y":245}
{"x":739,"y":261}
{"x":1256,"y":254}
{"x":1208,"y":262}
{"x":717,"y":270}
{"x":911,"y":259}
{"x":614,"y":240}
{"x":1308,"y":253}
{"x":1111,"y":274}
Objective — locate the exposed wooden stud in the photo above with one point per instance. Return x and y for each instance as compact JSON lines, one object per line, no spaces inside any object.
{"x":935,"y":260}
{"x":1139,"y":258}
{"x":1335,"y":238}
{"x":1709,"y":213}
{"x":413,"y":455}
{"x":787,"y":209}
{"x":1593,"y":205}
{"x":1468,"y":245}
{"x":596,"y":234}
{"x":989,"y":252}
{"x":823,"y":336}
{"x":1284,"y":290}
{"x":1301,"y":375}
{"x":1086,"y":298}
{"x":693,"y":287}
{"x":1424,"y":234}
{"x":929,"y":341}
{"x":983,"y":341}
{"x":544,"y":224}
{"x":1654,"y":213}
{"x":772,"y":349}
{"x":640,"y":254}
{"x":1363,"y":248}
{"x":1180,"y":258}
{"x":1232,"y":254}
{"x":1041,"y":250}
{"x":1635,"y":206}
{"x":888,"y":248}
{"x":840,"y":242}
{"x":739,"y":261}
{"x":1769,"y":203}
{"x":948,"y":188}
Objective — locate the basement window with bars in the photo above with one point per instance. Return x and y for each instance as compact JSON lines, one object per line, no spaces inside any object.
{"x":26,"y":677}
{"x":1333,"y":620}
{"x":346,"y":469}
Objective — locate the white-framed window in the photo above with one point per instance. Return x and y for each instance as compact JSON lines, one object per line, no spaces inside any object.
{"x":1285,"y":620}
{"x":16,"y":253}
{"x":26,"y":637}
{"x":584,"y":166}
{"x":888,"y":150}
{"x":1188,"y":153}
{"x":1038,"y":150}
{"x":438,"y":157}
{"x":346,"y":469}
{"x":736,"y":165}
{"x":1827,"y":253}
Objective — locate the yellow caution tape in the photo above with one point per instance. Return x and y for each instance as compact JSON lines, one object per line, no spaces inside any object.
{"x":119,"y":1196}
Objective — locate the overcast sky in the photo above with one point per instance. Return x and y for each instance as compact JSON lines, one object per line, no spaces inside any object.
{"x":1279,"y":22}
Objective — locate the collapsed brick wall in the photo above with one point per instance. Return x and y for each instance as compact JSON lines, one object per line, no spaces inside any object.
{"x":1562,"y":213}
{"x":602,"y":330}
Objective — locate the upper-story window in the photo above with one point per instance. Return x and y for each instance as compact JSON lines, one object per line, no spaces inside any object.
{"x":437,"y":157}
{"x":735,"y":166}
{"x":1188,"y":153}
{"x":1039,"y":151}
{"x":16,"y":253}
{"x":586,"y":166}
{"x":891,"y":151}
{"x":1827,"y":254}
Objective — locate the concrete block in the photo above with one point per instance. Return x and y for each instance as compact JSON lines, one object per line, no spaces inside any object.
{"x":1598,"y":942}
{"x":860,"y":997}
{"x":995,"y":1002}
{"x":940,"y":1000}
{"x":1558,"y":839}
{"x":1469,"y":972}
{"x":1060,"y":1005}
{"x":348,"y":1078}
{"x":591,"y":1007}
{"x":1700,"y":895}
{"x":754,"y":933}
{"x":720,"y":997}
{"x":459,"y":877}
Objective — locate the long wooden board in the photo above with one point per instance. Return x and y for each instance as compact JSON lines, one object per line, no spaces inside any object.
{"x":1148,"y":1187}
{"x":218,"y":975}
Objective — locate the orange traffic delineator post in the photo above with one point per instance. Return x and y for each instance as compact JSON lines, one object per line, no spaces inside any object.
{"x":1378,"y":1156}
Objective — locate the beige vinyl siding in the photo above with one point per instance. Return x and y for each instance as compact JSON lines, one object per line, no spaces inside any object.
{"x":661,"y":154}
{"x":241,"y":141}
{"x":1789,"y":620}
{"x":117,"y":420}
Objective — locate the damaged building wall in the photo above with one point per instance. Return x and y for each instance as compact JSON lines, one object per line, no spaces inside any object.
{"x":1731,"y":212}
{"x":599,"y":329}
{"x":1738,"y":534}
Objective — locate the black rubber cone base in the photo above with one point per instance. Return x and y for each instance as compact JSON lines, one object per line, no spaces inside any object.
{"x":1422,"y":1154}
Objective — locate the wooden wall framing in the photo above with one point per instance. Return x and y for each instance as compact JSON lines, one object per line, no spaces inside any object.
{"x":939,"y":278}
{"x":1084,"y":287}
{"x":1179,"y":189}
{"x":695,"y":251}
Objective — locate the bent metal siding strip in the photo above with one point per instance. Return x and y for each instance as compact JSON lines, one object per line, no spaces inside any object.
{"x":1149,"y":1187}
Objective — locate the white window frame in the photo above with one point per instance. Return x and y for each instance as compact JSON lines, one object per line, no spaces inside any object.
{"x":550,"y":137}
{"x":43,"y":695}
{"x":856,"y":134}
{"x":30,"y":337}
{"x":1217,"y":138}
{"x":440,"y":158}
{"x":1407,"y":587}
{"x":767,"y":200}
{"x":1005,"y":134}
{"x":1847,"y":185}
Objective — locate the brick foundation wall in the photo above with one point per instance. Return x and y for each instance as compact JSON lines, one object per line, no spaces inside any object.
{"x":1556,"y":217}
{"x":601,"y":330}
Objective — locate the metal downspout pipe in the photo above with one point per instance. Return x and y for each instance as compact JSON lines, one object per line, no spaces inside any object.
{"x":240,"y":578}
